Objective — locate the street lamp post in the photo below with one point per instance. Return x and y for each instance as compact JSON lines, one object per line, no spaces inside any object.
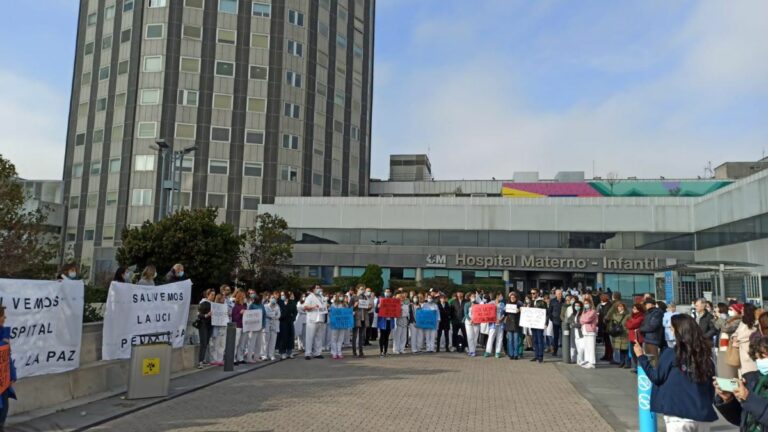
{"x":174,"y":184}
{"x":162,"y":148}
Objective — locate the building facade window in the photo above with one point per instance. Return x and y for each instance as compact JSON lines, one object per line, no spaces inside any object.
{"x":289,"y":173}
{"x":141,"y":197}
{"x":153,"y":63}
{"x":154,"y":31}
{"x":259,"y":40}
{"x":189,"y":64}
{"x":188,"y":97}
{"x":228,"y":6}
{"x":111,"y":199}
{"x":104,"y":73}
{"x":295,"y":48}
{"x":147,"y":130}
{"x":222,"y":101}
{"x":253,"y":169}
{"x":257,"y":104}
{"x":256,"y":72}
{"x":114,"y":165}
{"x":191,"y":32}
{"x":218,"y":166}
{"x":293,"y":79}
{"x":157,"y":3}
{"x":197,"y":4}
{"x":225,"y":69}
{"x":251,"y":202}
{"x":263,"y":10}
{"x":226,"y":36}
{"x":216,"y":200}
{"x":220,"y":134}
{"x":254,"y":137}
{"x":290,"y":142}
{"x":144,"y":163}
{"x":106,"y":42}
{"x":296,"y":18}
{"x":292,"y":110}
{"x":149,"y":97}
{"x":185,"y":131}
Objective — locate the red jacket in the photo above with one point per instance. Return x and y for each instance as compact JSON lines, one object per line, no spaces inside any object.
{"x":633,"y":323}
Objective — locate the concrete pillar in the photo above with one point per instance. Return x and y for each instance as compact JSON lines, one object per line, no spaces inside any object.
{"x":419,"y":277}
{"x":336,"y":271}
{"x":599,"y":282}
{"x":505,"y":278}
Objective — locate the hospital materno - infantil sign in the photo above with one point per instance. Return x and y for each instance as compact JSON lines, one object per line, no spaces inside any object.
{"x":543,"y":262}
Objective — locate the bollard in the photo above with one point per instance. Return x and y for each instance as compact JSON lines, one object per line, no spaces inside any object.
{"x":565,"y":342}
{"x":646,"y":418}
{"x":229,"y":348}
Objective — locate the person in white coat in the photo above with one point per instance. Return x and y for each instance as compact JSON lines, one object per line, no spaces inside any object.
{"x":401,"y":326}
{"x":272,"y":312}
{"x":496,"y":330}
{"x":473,"y":330}
{"x":300,"y":325}
{"x":255,"y":338}
{"x":415,"y":332}
{"x":430,"y":335}
{"x":317,"y":320}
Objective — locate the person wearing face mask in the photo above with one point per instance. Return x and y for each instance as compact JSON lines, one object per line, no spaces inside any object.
{"x":300,"y":325}
{"x":496,"y":330}
{"x":68,"y":272}
{"x":371,"y":332}
{"x":361,"y":304}
{"x":734,"y":318}
{"x":669,"y":333}
{"x":122,"y":275}
{"x":429,"y":335}
{"x":747,"y":406}
{"x":472,"y":329}
{"x":272,"y":328}
{"x":288,"y":314}
{"x":255,"y":339}
{"x":512,"y":326}
{"x":400,"y":334}
{"x":415,"y":333}
{"x":317,"y":319}
{"x":176,"y":274}
{"x":538,"y":334}
{"x":385,"y":326}
{"x":682,"y":390}
{"x":585,"y":341}
{"x":337,"y":335}
{"x":619,"y":337}
{"x":148,"y":276}
{"x":445,"y":322}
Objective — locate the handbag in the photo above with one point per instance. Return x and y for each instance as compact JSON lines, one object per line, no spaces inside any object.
{"x":196,"y":323}
{"x":732,"y":357}
{"x":616,"y":329}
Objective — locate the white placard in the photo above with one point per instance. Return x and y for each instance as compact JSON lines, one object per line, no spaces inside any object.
{"x":511,"y":308}
{"x":363,"y":303}
{"x":219,"y":316}
{"x":253,"y":320}
{"x":535,"y":318}
{"x":45,"y":322}
{"x":135,"y":310}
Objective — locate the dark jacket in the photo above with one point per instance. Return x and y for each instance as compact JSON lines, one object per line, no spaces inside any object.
{"x":203,"y":309}
{"x":172,"y":277}
{"x":445,"y":315}
{"x":707,"y":324}
{"x":541,"y":304}
{"x":457,"y":312}
{"x":512,"y":320}
{"x":674,"y":393}
{"x":652,"y":327}
{"x":553,"y":311}
{"x":736,"y":412}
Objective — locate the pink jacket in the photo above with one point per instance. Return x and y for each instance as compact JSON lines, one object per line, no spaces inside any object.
{"x":588,"y":320}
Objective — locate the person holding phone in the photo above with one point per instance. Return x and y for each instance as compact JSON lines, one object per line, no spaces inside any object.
{"x":745,"y":402}
{"x":681,"y":380}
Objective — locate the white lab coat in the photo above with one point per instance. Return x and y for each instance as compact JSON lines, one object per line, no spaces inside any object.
{"x":430,"y":335}
{"x":300,"y":325}
{"x":316,"y":324}
{"x":473,"y":331}
{"x":401,"y":331}
{"x":270,"y":330}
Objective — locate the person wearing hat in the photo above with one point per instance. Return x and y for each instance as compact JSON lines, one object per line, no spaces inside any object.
{"x":735,"y":311}
{"x":652,"y":330}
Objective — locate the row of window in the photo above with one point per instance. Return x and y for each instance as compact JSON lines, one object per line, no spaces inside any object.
{"x":143,"y":198}
{"x":258,"y":9}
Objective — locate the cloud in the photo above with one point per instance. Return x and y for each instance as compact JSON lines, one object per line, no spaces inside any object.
{"x":669,"y":111}
{"x":33,"y":125}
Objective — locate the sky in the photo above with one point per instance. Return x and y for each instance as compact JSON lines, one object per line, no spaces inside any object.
{"x":488,"y":87}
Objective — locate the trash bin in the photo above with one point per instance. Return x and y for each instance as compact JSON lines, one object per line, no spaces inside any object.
{"x":150,"y":373}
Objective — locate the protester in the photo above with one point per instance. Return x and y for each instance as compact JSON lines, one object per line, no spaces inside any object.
{"x":602,"y":321}
{"x":652,"y":329}
{"x":633,"y":329}
{"x":554,"y":312}
{"x":705,"y":320}
{"x":735,"y":311}
{"x":122,"y":275}
{"x":241,"y":339}
{"x":300,"y":324}
{"x":681,"y":379}
{"x":459,"y":330}
{"x":669,"y":333}
{"x":385,"y":326}
{"x":68,"y":272}
{"x":204,"y":326}
{"x":255,"y":345}
{"x":285,"y":337}
{"x":148,"y":276}
{"x":337,"y":335}
{"x":512,"y":326}
{"x":538,"y":334}
{"x":445,"y":322}
{"x":472,"y":329}
{"x":741,"y":337}
{"x":218,"y":338}
{"x":585,"y":342}
{"x":176,"y":274}
{"x":616,"y":326}
{"x":361,"y":305}
{"x":9,"y":393}
{"x":747,"y":406}
{"x":496,"y":330}
{"x":317,"y":319}
{"x":401,"y":325}
{"x":414,"y":331}
{"x":429,"y":335}
{"x":272,"y":313}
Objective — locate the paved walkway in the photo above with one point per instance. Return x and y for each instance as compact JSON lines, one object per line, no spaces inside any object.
{"x":427,"y":392}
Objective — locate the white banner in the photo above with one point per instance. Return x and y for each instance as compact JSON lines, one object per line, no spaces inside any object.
{"x":135,"y":310}
{"x":219,"y":316}
{"x":511,"y":308}
{"x":363,"y":303}
{"x":45,"y":320}
{"x":252,"y":320}
{"x":535,"y":318}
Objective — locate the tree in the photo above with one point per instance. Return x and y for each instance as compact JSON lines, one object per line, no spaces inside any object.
{"x":371,"y":278}
{"x":207,"y":249}
{"x":267,"y":248}
{"x":26,"y":247}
